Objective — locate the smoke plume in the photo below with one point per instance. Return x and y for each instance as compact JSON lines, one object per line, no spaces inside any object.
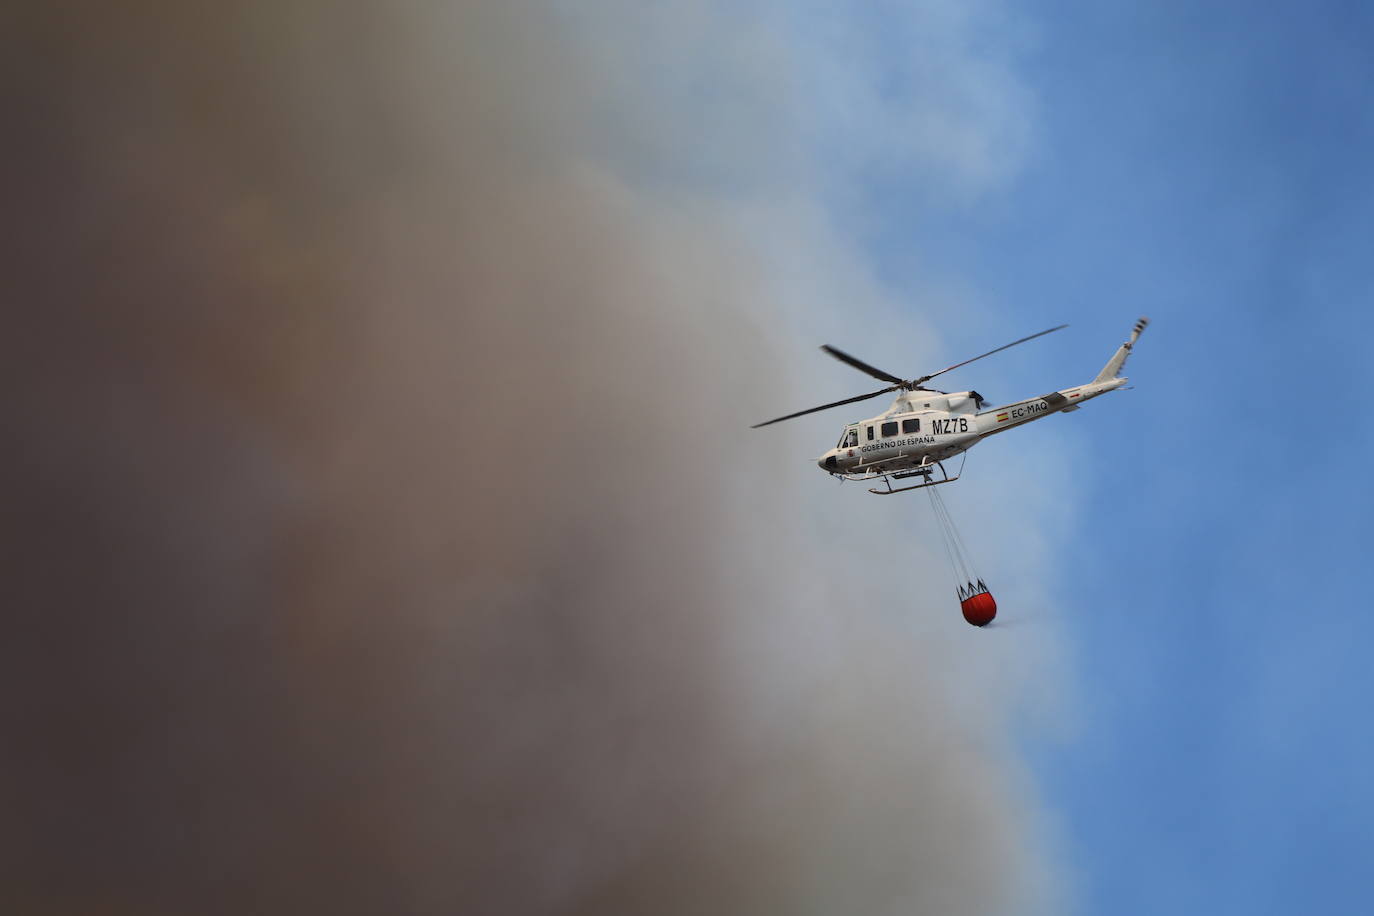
{"x":386,"y":532}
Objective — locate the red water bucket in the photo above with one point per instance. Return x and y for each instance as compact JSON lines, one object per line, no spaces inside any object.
{"x":979,"y":609}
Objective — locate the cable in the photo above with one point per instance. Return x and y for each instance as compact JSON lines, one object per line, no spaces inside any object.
{"x":944,"y":535}
{"x":954,"y":543}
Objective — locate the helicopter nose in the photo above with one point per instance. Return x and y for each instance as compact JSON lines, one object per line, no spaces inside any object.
{"x":826,"y":463}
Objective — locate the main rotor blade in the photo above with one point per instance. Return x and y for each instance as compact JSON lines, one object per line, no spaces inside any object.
{"x":862,"y":366}
{"x":802,"y":413}
{"x":926,"y":378}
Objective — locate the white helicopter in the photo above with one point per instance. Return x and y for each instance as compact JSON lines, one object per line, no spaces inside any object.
{"x":925,"y":426}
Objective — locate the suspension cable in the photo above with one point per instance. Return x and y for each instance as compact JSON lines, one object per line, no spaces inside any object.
{"x":961,"y":560}
{"x":958,"y":539}
{"x":944,"y":534}
{"x":955,"y":547}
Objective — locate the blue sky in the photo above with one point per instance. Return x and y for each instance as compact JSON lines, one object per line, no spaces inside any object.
{"x":1208,"y":166}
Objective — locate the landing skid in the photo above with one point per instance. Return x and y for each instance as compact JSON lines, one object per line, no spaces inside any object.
{"x":926,"y":471}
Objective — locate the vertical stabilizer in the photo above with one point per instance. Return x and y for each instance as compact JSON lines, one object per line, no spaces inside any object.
{"x":1113,"y":368}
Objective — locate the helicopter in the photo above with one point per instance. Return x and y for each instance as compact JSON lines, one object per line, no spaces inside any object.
{"x":924,"y":427}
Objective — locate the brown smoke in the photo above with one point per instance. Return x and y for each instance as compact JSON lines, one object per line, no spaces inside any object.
{"x":379,"y":542}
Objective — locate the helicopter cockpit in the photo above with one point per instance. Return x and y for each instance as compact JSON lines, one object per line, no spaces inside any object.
{"x":849,"y":438}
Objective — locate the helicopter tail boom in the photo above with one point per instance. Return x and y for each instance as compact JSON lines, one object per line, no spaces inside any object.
{"x":1114,"y":365}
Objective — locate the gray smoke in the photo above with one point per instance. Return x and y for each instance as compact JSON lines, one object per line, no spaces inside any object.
{"x":385,"y":534}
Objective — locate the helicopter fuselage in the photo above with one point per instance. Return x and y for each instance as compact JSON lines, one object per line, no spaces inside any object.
{"x":924,"y":427}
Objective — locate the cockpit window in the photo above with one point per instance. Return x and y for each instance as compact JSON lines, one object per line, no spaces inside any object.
{"x":852,"y":439}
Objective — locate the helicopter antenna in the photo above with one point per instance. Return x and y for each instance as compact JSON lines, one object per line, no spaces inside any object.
{"x":898,"y":384}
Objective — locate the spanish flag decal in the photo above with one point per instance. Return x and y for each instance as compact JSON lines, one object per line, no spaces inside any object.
{"x":1001,"y":417}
